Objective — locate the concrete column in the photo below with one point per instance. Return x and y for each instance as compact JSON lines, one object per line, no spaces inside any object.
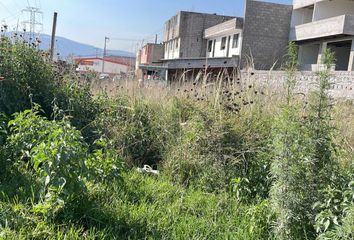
{"x":299,"y":55}
{"x":351,"y":58}
{"x":321,"y":52}
{"x":166,"y":75}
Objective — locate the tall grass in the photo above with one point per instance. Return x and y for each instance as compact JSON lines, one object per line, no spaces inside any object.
{"x":235,"y":161}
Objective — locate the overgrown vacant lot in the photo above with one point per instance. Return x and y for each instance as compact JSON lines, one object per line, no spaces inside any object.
{"x":235,"y":161}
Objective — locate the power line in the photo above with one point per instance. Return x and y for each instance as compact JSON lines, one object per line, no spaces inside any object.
{"x":6,"y":8}
{"x":17,"y":5}
{"x":125,"y":39}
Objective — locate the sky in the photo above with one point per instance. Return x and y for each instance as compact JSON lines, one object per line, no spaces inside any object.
{"x":126,"y":22}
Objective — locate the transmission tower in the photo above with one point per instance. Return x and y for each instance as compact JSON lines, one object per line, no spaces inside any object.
{"x":34,"y":14}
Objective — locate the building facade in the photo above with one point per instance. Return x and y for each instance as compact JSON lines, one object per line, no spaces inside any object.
{"x":148,"y":64}
{"x":224,"y":40}
{"x":184,"y":34}
{"x":196,"y":42}
{"x":110,"y":66}
{"x":265,"y":35}
{"x":320,"y":24}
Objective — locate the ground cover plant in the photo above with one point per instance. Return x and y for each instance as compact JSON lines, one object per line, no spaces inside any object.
{"x":235,"y":160}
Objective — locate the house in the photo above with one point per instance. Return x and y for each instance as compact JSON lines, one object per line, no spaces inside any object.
{"x":224,"y":40}
{"x":184,"y":34}
{"x":320,"y":24}
{"x":110,"y":65}
{"x":149,"y":61}
{"x":195,"y":42}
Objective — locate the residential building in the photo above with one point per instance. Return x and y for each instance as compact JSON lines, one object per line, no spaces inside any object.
{"x":224,"y":40}
{"x":184,"y":34}
{"x":111,"y":66}
{"x":195,"y":42}
{"x":149,"y":61}
{"x":320,"y":24}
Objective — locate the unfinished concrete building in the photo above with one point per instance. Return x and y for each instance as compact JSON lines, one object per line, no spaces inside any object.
{"x":183,"y":36}
{"x":320,"y":24}
{"x":149,"y":62}
{"x":197,"y":42}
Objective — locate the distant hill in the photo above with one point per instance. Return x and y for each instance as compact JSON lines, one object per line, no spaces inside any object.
{"x":66,"y":47}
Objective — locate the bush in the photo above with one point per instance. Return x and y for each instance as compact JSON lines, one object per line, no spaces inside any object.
{"x":30,"y":78}
{"x":27,"y":78}
{"x":53,"y":158}
{"x":303,"y":158}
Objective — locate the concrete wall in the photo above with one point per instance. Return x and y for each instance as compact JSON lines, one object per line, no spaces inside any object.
{"x":328,"y":9}
{"x":151,"y":53}
{"x":302,"y":16}
{"x":172,"y":28}
{"x":172,"y":48}
{"x":109,"y":67}
{"x":308,"y":55}
{"x":342,"y":83}
{"x":193,"y":26}
{"x":302,"y":3}
{"x":225,"y":27}
{"x":265,"y":34}
{"x":188,"y":28}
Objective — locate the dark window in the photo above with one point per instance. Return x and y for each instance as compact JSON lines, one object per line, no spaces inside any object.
{"x":235,"y":40}
{"x":210,"y":45}
{"x":223,"y":43}
{"x":176,"y":43}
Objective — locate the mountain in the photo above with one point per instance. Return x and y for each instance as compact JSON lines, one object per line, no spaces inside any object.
{"x":66,"y":47}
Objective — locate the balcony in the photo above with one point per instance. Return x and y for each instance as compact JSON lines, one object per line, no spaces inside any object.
{"x":340,"y":25}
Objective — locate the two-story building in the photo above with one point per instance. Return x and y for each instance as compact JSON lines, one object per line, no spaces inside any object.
{"x":148,"y":62}
{"x":320,"y":24}
{"x":195,"y":42}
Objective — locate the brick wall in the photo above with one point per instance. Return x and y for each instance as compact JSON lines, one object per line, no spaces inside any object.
{"x":266,"y":34}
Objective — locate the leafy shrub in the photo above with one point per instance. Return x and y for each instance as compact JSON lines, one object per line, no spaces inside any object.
{"x":55,"y":158}
{"x":27,"y":78}
{"x":334,"y":208}
{"x":30,"y":78}
{"x":345,"y":230}
{"x":304,"y":156}
{"x":74,"y":98}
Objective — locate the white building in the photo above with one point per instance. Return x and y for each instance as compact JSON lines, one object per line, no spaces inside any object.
{"x":111,"y":66}
{"x":224,"y":40}
{"x":320,"y":24}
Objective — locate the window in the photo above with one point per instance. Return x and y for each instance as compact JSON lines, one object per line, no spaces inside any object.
{"x":235,"y":41}
{"x":223,"y":43}
{"x":176,"y":43}
{"x":210,"y":45}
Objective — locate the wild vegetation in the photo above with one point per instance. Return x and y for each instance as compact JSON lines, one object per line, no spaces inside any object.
{"x":235,"y":161}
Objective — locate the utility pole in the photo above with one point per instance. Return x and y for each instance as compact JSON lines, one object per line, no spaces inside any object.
{"x":104,"y":52}
{"x":54,"y":29}
{"x":156,"y":39}
{"x":32,"y":22}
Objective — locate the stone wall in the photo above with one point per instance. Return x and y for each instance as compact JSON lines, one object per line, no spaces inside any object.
{"x":342,"y":83}
{"x":265,"y":34}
